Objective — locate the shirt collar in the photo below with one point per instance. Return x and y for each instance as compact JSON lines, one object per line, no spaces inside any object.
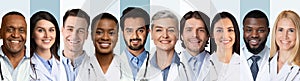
{"x":175,"y":59}
{"x":77,"y":61}
{"x":26,"y":56}
{"x":44,"y":61}
{"x":141,"y":56}
{"x":199,"y":57}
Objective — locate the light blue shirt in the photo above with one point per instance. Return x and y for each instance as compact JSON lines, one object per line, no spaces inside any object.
{"x":72,"y":70}
{"x":165,"y":72}
{"x":47,"y":63}
{"x":139,"y":59}
{"x":14,"y":71}
{"x":195,"y":62}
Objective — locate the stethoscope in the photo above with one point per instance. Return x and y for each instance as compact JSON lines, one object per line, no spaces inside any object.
{"x":290,"y":73}
{"x":2,"y":78}
{"x":35,"y":76}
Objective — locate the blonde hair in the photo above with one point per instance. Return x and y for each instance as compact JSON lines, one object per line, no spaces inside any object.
{"x":295,"y":53}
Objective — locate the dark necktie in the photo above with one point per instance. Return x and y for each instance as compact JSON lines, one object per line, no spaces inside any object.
{"x":254,"y":66}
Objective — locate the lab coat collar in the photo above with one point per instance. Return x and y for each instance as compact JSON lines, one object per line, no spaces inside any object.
{"x":248,"y":54}
{"x":38,"y":66}
{"x":27,"y":53}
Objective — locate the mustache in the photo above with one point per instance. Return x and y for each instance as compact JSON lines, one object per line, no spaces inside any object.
{"x":136,"y":39}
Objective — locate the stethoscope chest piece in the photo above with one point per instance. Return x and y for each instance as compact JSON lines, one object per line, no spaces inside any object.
{"x":144,"y":80}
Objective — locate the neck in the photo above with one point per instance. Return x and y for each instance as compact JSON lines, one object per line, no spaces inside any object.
{"x":136,"y":52}
{"x":224,"y":54}
{"x":14,"y":58}
{"x":283,"y":56}
{"x":164,"y":58}
{"x":104,"y":61}
{"x":72,"y":54}
{"x":44,"y":53}
{"x":195,"y":53}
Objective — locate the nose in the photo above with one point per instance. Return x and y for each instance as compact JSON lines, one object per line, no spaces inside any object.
{"x":105,"y":36}
{"x":285,"y":35}
{"x":165,"y":34}
{"x":254,"y":34}
{"x":225,"y":35}
{"x":16,"y":34}
{"x":195,"y":33}
{"x":74,"y":35}
{"x":134,"y":34}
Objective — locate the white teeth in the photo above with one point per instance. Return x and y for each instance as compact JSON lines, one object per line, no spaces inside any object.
{"x":284,"y":42}
{"x":104,"y":45}
{"x":194,"y":40}
{"x":46,"y":41}
{"x":165,"y":41}
{"x":74,"y":42}
{"x":253,"y":41}
{"x":135,"y":41}
{"x":225,"y":41}
{"x":15,"y":41}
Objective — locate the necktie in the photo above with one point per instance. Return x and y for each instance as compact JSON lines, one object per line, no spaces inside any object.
{"x":254,"y":66}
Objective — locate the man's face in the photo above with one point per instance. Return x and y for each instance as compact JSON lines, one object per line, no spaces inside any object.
{"x":164,"y":33}
{"x":255,"y":34}
{"x":13,"y":32}
{"x":105,"y":36}
{"x":194,"y":35}
{"x":135,"y":33}
{"x":74,"y":33}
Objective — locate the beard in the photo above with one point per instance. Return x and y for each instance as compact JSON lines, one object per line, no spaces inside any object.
{"x":255,"y":50}
{"x":139,"y":47}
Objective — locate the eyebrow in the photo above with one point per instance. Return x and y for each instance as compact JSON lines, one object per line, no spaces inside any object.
{"x":70,"y":26}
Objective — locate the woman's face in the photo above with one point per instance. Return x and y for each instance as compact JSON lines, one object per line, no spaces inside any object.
{"x":44,"y":34}
{"x":224,"y":33}
{"x":285,"y":34}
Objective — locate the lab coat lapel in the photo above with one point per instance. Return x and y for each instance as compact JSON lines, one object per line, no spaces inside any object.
{"x":205,"y":68}
{"x":245,"y":69}
{"x":24,"y":70}
{"x":39,"y":68}
{"x":140,"y":73}
{"x":173,"y":72}
{"x":125,"y":67}
{"x":6,"y":74}
{"x":188,"y":69}
{"x":63,"y":73}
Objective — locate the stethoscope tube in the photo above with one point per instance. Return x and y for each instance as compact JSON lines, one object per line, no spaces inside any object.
{"x":2,"y":78}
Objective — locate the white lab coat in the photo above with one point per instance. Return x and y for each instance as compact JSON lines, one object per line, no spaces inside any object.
{"x":220,"y":71}
{"x":90,"y":70}
{"x":287,"y":72}
{"x":39,"y":72}
{"x":177,"y":72}
{"x":126,"y":73}
{"x":23,"y":70}
{"x":246,"y":74}
{"x":63,"y":73}
{"x":203,"y":71}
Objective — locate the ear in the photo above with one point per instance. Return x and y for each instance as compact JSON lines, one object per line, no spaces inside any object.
{"x":1,"y":33}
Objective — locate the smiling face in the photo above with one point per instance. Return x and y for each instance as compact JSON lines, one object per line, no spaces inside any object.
{"x":13,"y":32}
{"x":224,"y":33}
{"x":75,"y":33}
{"x":164,"y":33}
{"x":105,"y":36}
{"x":255,"y":34}
{"x":44,"y":34}
{"x":194,"y":35}
{"x":285,"y":34}
{"x":135,"y":33}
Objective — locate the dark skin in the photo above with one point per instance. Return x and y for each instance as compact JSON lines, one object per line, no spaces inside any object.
{"x":255,"y":34}
{"x":13,"y":33}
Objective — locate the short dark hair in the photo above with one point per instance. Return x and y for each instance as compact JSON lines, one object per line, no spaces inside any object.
{"x":103,"y":16}
{"x":77,"y":13}
{"x":256,"y":14}
{"x":135,"y":12}
{"x":197,"y":15}
{"x":43,"y":15}
{"x":13,"y":13}
{"x":219,"y":16}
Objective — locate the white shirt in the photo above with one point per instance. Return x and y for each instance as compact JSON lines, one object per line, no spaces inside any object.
{"x":264,"y":54}
{"x":225,"y":72}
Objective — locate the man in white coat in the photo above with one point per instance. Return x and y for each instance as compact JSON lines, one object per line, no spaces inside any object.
{"x":135,"y":28}
{"x":194,"y":32}
{"x":254,"y":53}
{"x":14,"y":59}
{"x":75,"y":32}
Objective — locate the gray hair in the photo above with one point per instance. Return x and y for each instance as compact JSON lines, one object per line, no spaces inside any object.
{"x":164,"y":14}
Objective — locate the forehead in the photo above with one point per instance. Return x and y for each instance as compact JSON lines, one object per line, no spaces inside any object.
{"x":134,"y":22}
{"x":165,"y":22}
{"x":224,"y":23}
{"x":44,"y":24}
{"x":193,"y":22}
{"x":14,"y":20}
{"x":261,"y":22}
{"x":106,"y":24}
{"x":76,"y":21}
{"x":285,"y":23}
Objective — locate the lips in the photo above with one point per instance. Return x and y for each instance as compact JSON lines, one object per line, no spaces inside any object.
{"x":135,"y":42}
{"x":46,"y":41}
{"x":74,"y":42}
{"x":194,"y":40}
{"x":15,"y":41}
{"x":225,"y":41}
{"x":284,"y":42}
